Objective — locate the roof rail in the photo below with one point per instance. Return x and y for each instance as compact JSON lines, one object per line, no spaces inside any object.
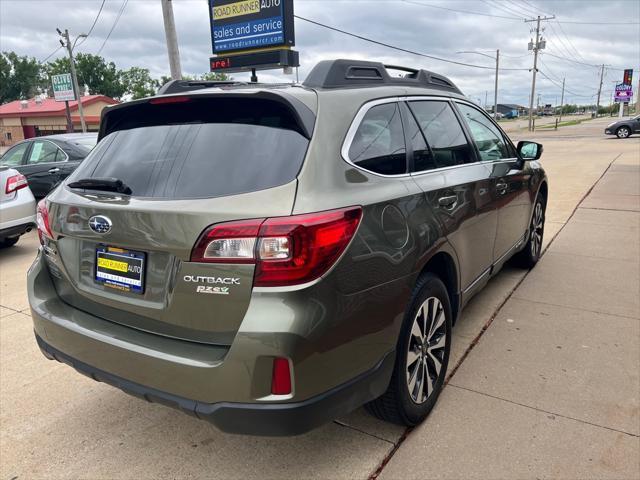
{"x":181,"y":86}
{"x":361,"y":73}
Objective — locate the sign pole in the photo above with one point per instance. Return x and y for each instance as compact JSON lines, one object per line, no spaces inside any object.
{"x":68,"y":113}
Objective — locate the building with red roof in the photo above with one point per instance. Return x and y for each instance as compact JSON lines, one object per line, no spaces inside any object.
{"x":22,"y":119}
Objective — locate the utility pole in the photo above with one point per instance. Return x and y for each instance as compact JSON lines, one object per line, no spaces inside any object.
{"x":599,"y":89}
{"x":74,"y":78}
{"x":495,"y":91}
{"x":172,"y":40}
{"x":536,"y":46}
{"x":486,"y":94}
{"x":562,"y":100}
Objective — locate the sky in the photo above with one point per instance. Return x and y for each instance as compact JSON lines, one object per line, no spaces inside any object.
{"x":584,"y":34}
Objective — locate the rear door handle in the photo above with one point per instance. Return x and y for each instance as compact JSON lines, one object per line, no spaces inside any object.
{"x":448,"y":201}
{"x":54,"y":170}
{"x":501,"y":187}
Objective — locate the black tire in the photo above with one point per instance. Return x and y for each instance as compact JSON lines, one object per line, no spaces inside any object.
{"x":623,"y":132}
{"x":398,"y":404}
{"x":530,"y":254}
{"x":8,"y":242}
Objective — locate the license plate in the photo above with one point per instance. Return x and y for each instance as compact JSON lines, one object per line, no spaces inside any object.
{"x":120,"y":269}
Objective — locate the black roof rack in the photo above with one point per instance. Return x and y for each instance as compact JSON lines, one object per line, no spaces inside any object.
{"x":361,"y":73}
{"x":180,"y":86}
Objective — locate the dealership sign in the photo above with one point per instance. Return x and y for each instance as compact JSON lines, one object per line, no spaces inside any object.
{"x":240,"y":25}
{"x":62,"y":87}
{"x":624,"y":90}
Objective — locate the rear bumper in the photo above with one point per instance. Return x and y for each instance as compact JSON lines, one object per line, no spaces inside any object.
{"x":19,"y":229}
{"x":250,"y":418}
{"x":229,"y":386}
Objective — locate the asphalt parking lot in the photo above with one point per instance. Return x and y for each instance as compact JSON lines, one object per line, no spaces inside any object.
{"x":544,"y":378}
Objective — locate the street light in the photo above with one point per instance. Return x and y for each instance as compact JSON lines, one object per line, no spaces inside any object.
{"x":495,"y":95}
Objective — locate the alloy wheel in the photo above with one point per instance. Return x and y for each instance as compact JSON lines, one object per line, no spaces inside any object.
{"x":623,"y":132}
{"x":425,"y":353}
{"x":537,"y":230}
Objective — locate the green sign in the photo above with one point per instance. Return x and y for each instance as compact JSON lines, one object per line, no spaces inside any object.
{"x":62,"y":87}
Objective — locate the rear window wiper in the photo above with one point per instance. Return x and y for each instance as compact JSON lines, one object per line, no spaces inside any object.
{"x":108,"y":184}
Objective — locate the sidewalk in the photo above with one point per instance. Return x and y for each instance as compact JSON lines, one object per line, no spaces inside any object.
{"x":552,"y":388}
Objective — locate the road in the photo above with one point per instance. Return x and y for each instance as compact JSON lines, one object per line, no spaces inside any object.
{"x":545,"y":369}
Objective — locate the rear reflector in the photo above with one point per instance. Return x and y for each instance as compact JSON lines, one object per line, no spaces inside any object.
{"x":286,"y":250}
{"x":281,"y":378}
{"x":15,"y":182}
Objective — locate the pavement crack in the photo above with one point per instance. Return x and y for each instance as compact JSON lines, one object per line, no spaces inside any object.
{"x":571,"y":307}
{"x":346,"y":425}
{"x":541,"y":410}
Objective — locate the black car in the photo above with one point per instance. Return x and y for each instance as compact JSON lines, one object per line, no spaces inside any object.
{"x":624,"y":128}
{"x":46,"y":161}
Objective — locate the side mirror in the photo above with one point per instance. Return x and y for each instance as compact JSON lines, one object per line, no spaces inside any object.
{"x":529,"y":150}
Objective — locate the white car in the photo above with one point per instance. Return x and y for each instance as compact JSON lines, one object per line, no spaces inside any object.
{"x":17,"y":207}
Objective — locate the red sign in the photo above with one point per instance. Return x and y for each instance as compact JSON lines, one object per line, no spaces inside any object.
{"x":218,"y":63}
{"x":628,"y":76}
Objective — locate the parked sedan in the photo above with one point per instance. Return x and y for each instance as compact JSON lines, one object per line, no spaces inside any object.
{"x":46,"y":161}
{"x":17,"y":207}
{"x":624,"y":128}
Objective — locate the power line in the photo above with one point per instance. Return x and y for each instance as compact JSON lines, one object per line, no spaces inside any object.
{"x":460,"y":11}
{"x":50,"y":55}
{"x":566,"y":89}
{"x":124,"y":4}
{"x":84,"y":39}
{"x":504,"y":9}
{"x":412,"y":52}
{"x":569,"y":41}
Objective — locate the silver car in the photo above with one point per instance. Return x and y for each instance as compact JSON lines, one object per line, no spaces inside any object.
{"x":17,"y":207}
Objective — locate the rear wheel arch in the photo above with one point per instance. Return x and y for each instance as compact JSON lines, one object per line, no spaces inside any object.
{"x":443,"y":265}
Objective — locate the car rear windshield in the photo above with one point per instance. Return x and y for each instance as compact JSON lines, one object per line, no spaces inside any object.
{"x":200,"y":149}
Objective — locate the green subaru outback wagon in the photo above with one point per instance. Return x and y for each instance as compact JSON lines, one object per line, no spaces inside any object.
{"x":271,"y":257}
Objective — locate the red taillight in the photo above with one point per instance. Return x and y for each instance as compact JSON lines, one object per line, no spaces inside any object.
{"x":42,"y":220}
{"x":286,"y":250}
{"x":161,"y":100}
{"x":281,"y":378}
{"x":15,"y":182}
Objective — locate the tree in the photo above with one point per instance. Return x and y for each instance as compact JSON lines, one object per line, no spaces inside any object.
{"x":138,"y":82}
{"x":93,"y":71}
{"x":19,"y":77}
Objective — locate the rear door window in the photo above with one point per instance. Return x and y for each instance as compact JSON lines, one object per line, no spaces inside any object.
{"x":44,"y":152}
{"x":378,"y":144}
{"x":211,"y":150}
{"x":444,"y":135}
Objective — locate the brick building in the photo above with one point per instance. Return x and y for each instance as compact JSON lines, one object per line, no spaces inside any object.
{"x":36,"y":117}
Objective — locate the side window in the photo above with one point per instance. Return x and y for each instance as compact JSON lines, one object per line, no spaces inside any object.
{"x":44,"y":152}
{"x":487,"y":137}
{"x":13,"y":156}
{"x":444,"y":135}
{"x":378,"y":144}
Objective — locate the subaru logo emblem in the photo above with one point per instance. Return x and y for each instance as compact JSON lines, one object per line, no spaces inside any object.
{"x":100,"y":224}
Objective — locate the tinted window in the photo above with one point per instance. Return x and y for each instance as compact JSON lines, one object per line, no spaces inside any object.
{"x":422,"y":156}
{"x":44,"y":152}
{"x":486,"y":135}
{"x":198,"y":160}
{"x":13,"y":156}
{"x":378,"y":144}
{"x":444,"y":135}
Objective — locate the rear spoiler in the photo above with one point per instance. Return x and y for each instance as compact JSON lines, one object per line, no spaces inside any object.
{"x":114,"y":117}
